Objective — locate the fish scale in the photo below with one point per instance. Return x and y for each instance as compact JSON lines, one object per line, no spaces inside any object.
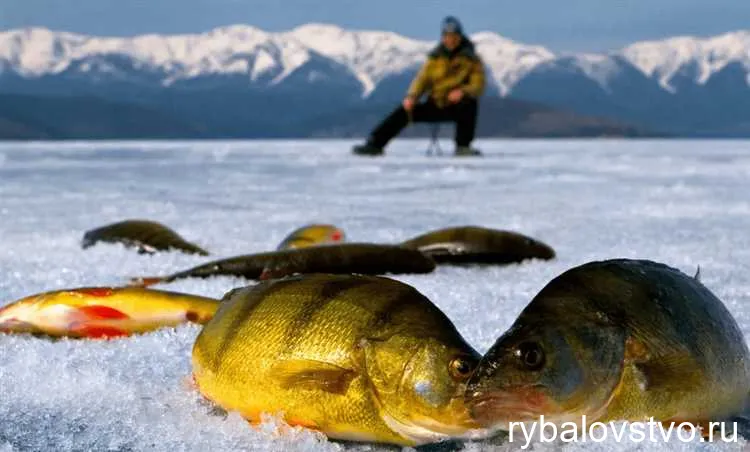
{"x":276,"y":328}
{"x":305,"y":319}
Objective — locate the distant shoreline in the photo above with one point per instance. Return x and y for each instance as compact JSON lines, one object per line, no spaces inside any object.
{"x":479,"y":140}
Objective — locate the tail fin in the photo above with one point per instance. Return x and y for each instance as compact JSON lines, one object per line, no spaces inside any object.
{"x":146,"y":281}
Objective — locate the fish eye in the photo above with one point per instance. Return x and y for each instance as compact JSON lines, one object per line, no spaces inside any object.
{"x":461,"y":367}
{"x":531,"y":355}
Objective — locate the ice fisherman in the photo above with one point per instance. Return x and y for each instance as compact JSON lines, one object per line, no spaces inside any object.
{"x":453,"y":77}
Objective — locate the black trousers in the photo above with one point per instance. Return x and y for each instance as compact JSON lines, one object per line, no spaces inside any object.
{"x":464,"y":114}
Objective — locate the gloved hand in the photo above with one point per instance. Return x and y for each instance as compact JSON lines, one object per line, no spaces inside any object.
{"x":455,"y":96}
{"x":408,"y":103}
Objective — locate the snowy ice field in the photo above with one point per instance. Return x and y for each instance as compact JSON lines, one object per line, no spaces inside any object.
{"x":685,"y":203}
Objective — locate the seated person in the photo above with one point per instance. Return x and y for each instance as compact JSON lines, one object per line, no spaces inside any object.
{"x":453,"y":77}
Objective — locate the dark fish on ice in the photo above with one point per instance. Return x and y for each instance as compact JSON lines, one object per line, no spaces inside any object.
{"x":345,"y":258}
{"x":147,"y":236}
{"x":616,"y":340}
{"x":479,"y":245}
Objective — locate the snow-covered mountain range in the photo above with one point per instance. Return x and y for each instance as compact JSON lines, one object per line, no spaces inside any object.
{"x":261,"y":57}
{"x":676,"y":84}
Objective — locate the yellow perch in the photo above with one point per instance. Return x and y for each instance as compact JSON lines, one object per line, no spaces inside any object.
{"x":98,"y":312}
{"x":312,"y":235}
{"x":359,"y":358}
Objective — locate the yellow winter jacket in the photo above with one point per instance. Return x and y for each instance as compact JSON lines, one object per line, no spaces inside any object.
{"x":443,"y":72}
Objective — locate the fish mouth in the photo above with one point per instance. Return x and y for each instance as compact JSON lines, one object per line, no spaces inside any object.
{"x":497,"y":409}
{"x":549,"y":254}
{"x":423,"y":430}
{"x":87,"y":241}
{"x":544,"y":251}
{"x":452,"y":422}
{"x":455,"y":423}
{"x":16,"y":326}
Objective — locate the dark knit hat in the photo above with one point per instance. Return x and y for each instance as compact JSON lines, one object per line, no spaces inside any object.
{"x":451,"y":25}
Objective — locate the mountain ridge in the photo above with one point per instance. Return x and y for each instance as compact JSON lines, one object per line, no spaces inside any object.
{"x":370,"y":54}
{"x":681,"y":85}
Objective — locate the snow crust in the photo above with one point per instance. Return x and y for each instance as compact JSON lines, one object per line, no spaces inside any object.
{"x":683,"y":203}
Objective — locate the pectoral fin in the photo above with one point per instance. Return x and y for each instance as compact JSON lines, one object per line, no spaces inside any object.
{"x":120,"y":327}
{"x":93,"y":312}
{"x":96,"y":321}
{"x":93,"y":330}
{"x":670,"y":373}
{"x":313,"y":375}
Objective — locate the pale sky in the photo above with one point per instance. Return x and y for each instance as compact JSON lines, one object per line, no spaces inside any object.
{"x":561,"y":25}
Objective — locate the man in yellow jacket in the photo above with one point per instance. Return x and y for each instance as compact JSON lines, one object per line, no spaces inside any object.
{"x":453,"y":77}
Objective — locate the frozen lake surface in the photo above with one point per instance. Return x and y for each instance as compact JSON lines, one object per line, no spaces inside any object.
{"x":684,"y":203}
